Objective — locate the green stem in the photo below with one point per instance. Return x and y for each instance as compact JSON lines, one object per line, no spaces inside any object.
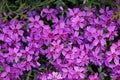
{"x":28,"y":76}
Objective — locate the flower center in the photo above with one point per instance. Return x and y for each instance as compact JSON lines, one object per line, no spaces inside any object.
{"x":36,"y":23}
{"x":15,"y":30}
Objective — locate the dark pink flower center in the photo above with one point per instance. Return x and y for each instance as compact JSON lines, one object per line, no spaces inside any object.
{"x":14,"y":55}
{"x":50,"y":35}
{"x":100,"y":37}
{"x":69,"y":52}
{"x":36,"y":22}
{"x":15,"y":30}
{"x":6,"y":35}
{"x":114,"y":55}
{"x":52,"y":52}
{"x":95,"y":79}
{"x":33,"y":40}
{"x":27,"y":63}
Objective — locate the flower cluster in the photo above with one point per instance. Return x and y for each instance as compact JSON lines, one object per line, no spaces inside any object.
{"x":70,"y":43}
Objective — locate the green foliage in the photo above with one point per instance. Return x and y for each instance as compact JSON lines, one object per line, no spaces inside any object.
{"x":18,"y":8}
{"x":1,"y":68}
{"x":117,"y":14}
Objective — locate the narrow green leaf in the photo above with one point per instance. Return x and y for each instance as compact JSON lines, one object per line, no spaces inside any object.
{"x":28,"y":76}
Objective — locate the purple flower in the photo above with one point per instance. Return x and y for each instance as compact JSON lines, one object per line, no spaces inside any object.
{"x":16,"y":29}
{"x":77,"y":22}
{"x":49,"y":13}
{"x":94,"y":77}
{"x":54,"y":76}
{"x":18,"y":68}
{"x":31,"y":13}
{"x":5,"y":35}
{"x":29,"y":63}
{"x":106,"y":14}
{"x":14,"y":54}
{"x":113,"y":55}
{"x":80,"y":72}
{"x":73,"y":12}
{"x":65,"y":45}
{"x":99,"y":38}
{"x":116,"y":72}
{"x":89,"y":33}
{"x":59,"y":23}
{"x":62,"y":34}
{"x":42,"y":76}
{"x":33,"y":40}
{"x":111,"y":32}
{"x":49,"y":35}
{"x":27,"y":52}
{"x":55,"y":50}
{"x":83,"y":59}
{"x":75,"y":38}
{"x":15,"y":41}
{"x":70,"y":53}
{"x":96,"y":57}
{"x":35,"y":22}
{"x":118,"y":1}
{"x":6,"y":74}
{"x":68,"y":73}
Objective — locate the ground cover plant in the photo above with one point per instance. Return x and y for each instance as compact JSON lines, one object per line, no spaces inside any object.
{"x":59,"y":40}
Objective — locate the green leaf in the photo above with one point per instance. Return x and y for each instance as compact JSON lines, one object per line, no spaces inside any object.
{"x":100,"y":69}
{"x":21,"y":7}
{"x":101,"y":76}
{"x":73,"y":1}
{"x":28,"y":76}
{"x":1,"y":68}
{"x":90,"y":69}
